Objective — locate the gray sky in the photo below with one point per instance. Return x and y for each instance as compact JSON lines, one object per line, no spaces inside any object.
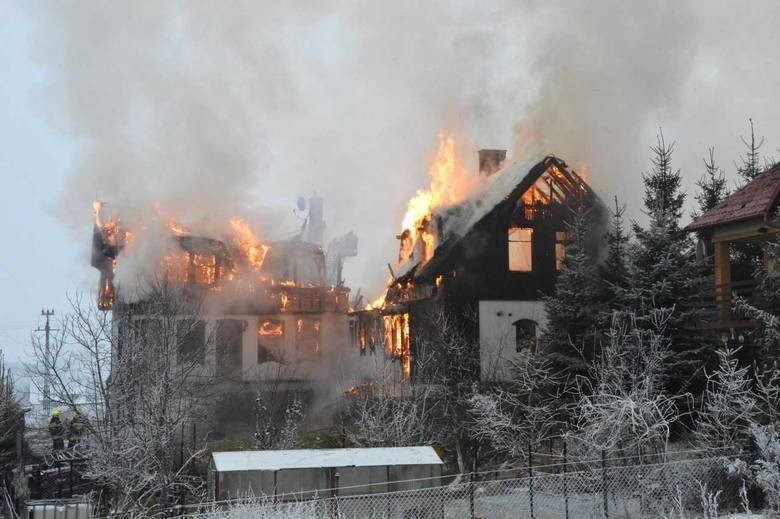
{"x":215,"y":107}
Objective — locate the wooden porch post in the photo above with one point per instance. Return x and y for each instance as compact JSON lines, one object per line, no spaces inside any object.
{"x":722,"y":280}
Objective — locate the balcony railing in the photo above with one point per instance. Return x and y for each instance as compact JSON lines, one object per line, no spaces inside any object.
{"x":720,"y":300}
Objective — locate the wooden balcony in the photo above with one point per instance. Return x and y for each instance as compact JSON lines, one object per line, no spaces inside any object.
{"x":718,"y":304}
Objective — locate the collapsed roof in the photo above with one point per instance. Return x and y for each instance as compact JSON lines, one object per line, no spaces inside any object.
{"x":557,"y":181}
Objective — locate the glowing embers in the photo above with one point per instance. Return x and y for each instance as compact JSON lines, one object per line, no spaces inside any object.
{"x":272,"y":327}
{"x":397,"y":341}
{"x":176,"y":266}
{"x":270,"y":339}
{"x":107,"y":224}
{"x":183,"y":267}
{"x":520,"y":241}
{"x":555,"y":187}
{"x":365,"y":331}
{"x":205,"y":268}
{"x":308,"y":335}
{"x":106,"y":294}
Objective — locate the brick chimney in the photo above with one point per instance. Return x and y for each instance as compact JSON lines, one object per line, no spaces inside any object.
{"x":491,"y":161}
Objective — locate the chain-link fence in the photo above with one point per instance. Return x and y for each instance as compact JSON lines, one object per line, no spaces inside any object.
{"x":688,"y":488}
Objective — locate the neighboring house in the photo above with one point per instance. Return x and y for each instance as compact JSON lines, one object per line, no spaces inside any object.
{"x":266,"y":313}
{"x":498,"y":254}
{"x":746,"y":216}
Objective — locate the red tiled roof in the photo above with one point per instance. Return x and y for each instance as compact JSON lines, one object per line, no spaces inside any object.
{"x":755,"y":200}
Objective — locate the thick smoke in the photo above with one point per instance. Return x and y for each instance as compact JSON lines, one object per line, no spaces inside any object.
{"x":218,"y":109}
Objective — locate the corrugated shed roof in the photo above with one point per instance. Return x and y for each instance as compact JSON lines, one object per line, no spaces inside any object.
{"x":322,"y":458}
{"x":755,"y":200}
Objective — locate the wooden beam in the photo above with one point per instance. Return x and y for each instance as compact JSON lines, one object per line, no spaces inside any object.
{"x":722,"y":277}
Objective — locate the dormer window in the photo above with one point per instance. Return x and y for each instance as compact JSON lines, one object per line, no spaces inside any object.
{"x":520,"y":249}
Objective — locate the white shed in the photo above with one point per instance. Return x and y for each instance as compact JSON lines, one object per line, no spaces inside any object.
{"x":300,"y":473}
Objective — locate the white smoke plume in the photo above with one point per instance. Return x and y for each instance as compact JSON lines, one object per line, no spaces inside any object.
{"x":218,"y":109}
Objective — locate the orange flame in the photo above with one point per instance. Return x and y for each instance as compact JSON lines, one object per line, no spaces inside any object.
{"x":249,"y":243}
{"x":96,"y":206}
{"x":275,"y":328}
{"x":444,"y":189}
{"x":175,"y":227}
{"x":450,"y":184}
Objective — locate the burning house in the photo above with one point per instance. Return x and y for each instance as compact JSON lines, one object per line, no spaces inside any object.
{"x":265,"y":304}
{"x":492,"y":255}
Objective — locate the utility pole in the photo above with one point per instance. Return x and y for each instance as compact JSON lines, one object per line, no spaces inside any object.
{"x":47,"y":313}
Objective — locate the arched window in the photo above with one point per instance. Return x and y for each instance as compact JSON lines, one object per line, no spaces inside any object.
{"x":525,"y":335}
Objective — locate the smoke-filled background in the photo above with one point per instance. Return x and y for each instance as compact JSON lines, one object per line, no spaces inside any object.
{"x":218,"y":109}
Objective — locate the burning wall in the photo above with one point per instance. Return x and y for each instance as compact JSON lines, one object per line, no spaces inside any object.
{"x":283,"y":277}
{"x":504,"y":241}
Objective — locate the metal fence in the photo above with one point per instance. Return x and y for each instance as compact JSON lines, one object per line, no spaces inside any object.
{"x":687,"y":488}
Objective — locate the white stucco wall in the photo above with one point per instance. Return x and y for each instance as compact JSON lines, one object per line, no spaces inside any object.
{"x":497,"y":334}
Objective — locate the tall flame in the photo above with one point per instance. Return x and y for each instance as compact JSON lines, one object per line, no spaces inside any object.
{"x":450,"y":184}
{"x":446,"y":188}
{"x":249,"y":243}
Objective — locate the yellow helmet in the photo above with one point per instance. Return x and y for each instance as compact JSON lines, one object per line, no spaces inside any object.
{"x":55,"y":413}
{"x":74,"y":414}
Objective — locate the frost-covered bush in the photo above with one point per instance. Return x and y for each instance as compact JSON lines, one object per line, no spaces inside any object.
{"x":767,"y":467}
{"x":622,"y":405}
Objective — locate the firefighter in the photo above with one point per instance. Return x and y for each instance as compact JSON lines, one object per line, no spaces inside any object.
{"x":57,"y":432}
{"x":75,"y":429}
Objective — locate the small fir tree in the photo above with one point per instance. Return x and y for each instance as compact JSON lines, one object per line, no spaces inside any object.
{"x":750,"y":167}
{"x":728,"y":406}
{"x":665,"y":274}
{"x":663,"y":195}
{"x":746,"y":256}
{"x":613,"y":272}
{"x":712,"y":186}
{"x":573,"y":311}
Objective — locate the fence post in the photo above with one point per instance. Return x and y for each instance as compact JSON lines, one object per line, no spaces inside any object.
{"x":530,"y":480}
{"x":181,"y":447}
{"x":565,"y":480}
{"x":604,"y":478}
{"x":471,"y":495}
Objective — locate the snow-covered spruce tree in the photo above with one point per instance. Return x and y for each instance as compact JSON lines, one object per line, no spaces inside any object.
{"x":523,"y":412}
{"x":622,"y":407}
{"x":614,"y":276}
{"x":665,"y":274}
{"x":569,"y":339}
{"x":728,"y":407}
